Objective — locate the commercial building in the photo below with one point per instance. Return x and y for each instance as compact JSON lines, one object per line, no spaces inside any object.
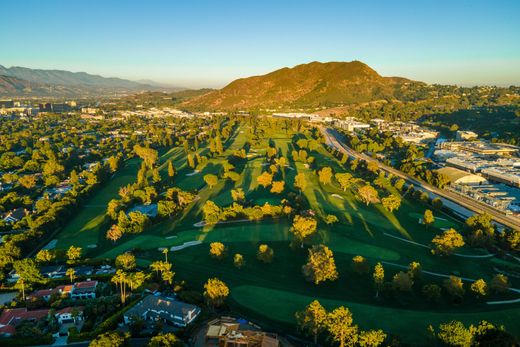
{"x":462,"y":135}
{"x":457,"y":176}
{"x":350,"y":124}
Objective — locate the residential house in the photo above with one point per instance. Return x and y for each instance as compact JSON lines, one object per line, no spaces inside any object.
{"x":84,"y":290}
{"x":10,"y":318}
{"x":69,"y":315}
{"x":168,"y":310}
{"x":16,"y":215}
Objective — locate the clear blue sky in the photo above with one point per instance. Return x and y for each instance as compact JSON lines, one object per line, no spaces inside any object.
{"x":210,"y":43}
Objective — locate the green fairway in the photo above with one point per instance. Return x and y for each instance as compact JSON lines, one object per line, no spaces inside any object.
{"x":274,"y":292}
{"x":411,"y":325}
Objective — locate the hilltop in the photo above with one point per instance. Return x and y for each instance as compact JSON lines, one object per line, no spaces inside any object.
{"x":307,"y":85}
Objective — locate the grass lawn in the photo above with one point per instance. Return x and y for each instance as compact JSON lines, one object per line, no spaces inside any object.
{"x":274,"y":292}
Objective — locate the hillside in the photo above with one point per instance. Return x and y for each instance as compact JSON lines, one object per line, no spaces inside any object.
{"x":66,"y":83}
{"x":308,"y":85}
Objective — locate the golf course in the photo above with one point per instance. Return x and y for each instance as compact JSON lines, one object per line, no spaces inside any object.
{"x":271,"y":293}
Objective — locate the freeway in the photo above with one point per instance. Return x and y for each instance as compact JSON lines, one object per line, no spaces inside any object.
{"x":461,"y":204}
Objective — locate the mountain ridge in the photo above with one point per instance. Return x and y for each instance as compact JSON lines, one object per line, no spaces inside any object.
{"x":68,"y":83}
{"x":307,"y":85}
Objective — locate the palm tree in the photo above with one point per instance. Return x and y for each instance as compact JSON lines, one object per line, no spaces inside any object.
{"x":165,"y":252}
{"x":70,"y":272}
{"x":120,"y":278}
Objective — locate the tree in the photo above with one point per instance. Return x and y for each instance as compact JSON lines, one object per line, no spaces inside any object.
{"x":114,"y":233}
{"x":238,"y":194}
{"x":303,"y":227}
{"x":360,"y":265}
{"x":211,"y":212}
{"x":379,"y":277}
{"x":120,"y":279}
{"x":265,"y":179}
{"x":28,"y":274}
{"x":415,"y":269}
{"x":165,"y":252}
{"x":428,"y":218}
{"x":265,"y":253}
{"x":149,"y":155}
{"x":300,"y":182}
{"x":344,"y":179}
{"x":211,"y":180}
{"x":402,"y":281}
{"x":126,"y":261}
{"x":447,"y":243}
{"x":341,"y":328}
{"x":73,"y":254}
{"x":171,"y":171}
{"x":239,"y":261}
{"x":391,"y":202}
{"x":325,"y":175}
{"x":500,"y":283}
{"x":371,"y":338}
{"x":368,"y":194}
{"x":455,"y":334}
{"x":165,"y":340}
{"x":215,"y":292}
{"x":45,"y":256}
{"x":217,"y":250}
{"x":454,"y":286}
{"x":277,"y":187}
{"x":432,"y":292}
{"x":320,"y":265}
{"x":480,"y":288}
{"x":313,"y":319}
{"x":70,"y":272}
{"x":27,"y":181}
{"x":166,"y":208}
{"x":112,"y":339}
{"x":331,"y":219}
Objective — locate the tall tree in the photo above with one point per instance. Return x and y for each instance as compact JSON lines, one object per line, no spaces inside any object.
{"x":320,"y":265}
{"x":215,"y":292}
{"x":313,"y":319}
{"x":300,"y":182}
{"x":341,"y":327}
{"x":28,"y":274}
{"x":303,"y":227}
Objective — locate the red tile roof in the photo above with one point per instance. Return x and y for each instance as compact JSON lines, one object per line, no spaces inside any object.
{"x":13,"y":316}
{"x":86,"y":284}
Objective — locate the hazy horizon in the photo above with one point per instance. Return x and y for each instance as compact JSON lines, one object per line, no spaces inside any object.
{"x":205,"y":44}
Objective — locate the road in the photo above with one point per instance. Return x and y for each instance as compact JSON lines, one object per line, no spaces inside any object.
{"x":460,"y":204}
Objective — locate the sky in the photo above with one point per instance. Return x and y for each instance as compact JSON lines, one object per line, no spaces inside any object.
{"x":210,"y":43}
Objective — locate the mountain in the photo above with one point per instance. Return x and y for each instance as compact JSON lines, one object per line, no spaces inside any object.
{"x":307,"y":85}
{"x":70,"y":83}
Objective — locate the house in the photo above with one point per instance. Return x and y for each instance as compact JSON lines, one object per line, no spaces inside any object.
{"x":10,"y":318}
{"x":69,"y":315}
{"x":84,"y":290}
{"x":83,"y":270}
{"x":53,"y":271}
{"x":16,"y":215}
{"x":45,"y":294}
{"x":164,"y":309}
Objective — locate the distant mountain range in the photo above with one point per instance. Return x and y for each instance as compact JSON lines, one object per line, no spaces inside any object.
{"x":307,"y":85}
{"x":22,"y":81}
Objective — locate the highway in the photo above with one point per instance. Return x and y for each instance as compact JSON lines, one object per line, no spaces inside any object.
{"x":461,"y":204}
